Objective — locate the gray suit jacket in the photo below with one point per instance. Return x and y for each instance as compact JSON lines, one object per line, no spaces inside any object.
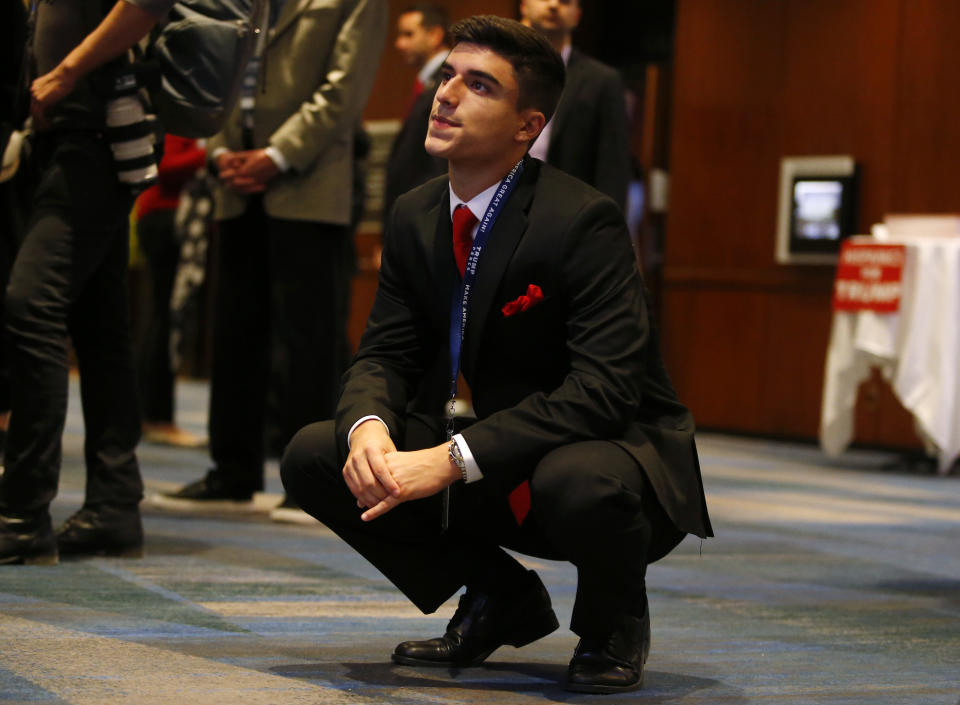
{"x":316,"y":73}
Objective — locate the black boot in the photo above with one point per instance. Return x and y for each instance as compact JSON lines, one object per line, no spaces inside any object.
{"x":27,"y":538}
{"x":611,"y":664}
{"x":482,"y":624}
{"x":102,"y":530}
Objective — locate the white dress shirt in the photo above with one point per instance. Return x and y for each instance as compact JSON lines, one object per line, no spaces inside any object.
{"x":433,"y":63}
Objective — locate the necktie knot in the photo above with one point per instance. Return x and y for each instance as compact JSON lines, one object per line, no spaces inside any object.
{"x":463,"y":222}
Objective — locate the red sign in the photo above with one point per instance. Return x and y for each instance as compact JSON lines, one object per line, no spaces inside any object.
{"x":869,"y":277}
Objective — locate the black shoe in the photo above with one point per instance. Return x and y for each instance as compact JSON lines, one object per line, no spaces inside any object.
{"x":613,"y":664}
{"x":27,"y":539}
{"x":209,"y":492}
{"x":484,"y":623}
{"x":102,"y":531}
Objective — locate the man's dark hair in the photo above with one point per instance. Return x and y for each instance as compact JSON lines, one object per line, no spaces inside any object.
{"x":538,"y":67}
{"x":431,"y":16}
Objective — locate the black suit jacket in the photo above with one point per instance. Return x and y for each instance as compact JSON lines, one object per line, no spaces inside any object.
{"x":583,"y":364}
{"x":409,"y":165}
{"x":589,"y":136}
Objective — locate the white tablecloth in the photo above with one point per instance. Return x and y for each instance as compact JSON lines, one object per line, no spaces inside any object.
{"x":917,"y":350}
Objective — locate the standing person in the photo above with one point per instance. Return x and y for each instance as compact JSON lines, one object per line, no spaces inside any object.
{"x":422,"y":43}
{"x":13,"y":111}
{"x":285,"y":163}
{"x":581,"y":450}
{"x":588,"y":136}
{"x":68,"y":280}
{"x":155,"y":211}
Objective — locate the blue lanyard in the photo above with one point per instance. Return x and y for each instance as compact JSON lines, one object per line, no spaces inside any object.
{"x":459,"y":313}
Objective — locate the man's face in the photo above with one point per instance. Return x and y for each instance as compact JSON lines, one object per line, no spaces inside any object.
{"x":415,"y":43}
{"x":551,"y":17}
{"x":474,"y":116}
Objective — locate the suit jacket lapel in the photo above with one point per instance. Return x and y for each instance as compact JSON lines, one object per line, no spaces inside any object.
{"x":438,"y":241}
{"x":504,"y":238}
{"x":574,"y":77}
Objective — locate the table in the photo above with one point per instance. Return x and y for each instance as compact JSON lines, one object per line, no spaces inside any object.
{"x":916,"y":349}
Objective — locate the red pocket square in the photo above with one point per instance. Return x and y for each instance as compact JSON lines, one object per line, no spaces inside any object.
{"x":533,"y":296}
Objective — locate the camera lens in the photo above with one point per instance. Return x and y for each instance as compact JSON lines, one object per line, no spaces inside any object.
{"x":130,"y":134}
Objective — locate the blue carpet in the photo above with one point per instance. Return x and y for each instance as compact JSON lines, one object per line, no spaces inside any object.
{"x":829,"y":582}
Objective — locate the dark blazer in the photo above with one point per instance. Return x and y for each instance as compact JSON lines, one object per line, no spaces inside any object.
{"x":409,"y":165}
{"x":589,"y":137}
{"x":582,"y":364}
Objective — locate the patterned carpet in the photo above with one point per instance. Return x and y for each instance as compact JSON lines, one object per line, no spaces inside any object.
{"x":829,"y":582}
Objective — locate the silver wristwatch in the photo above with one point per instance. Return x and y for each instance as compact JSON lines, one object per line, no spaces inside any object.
{"x":456,"y":457}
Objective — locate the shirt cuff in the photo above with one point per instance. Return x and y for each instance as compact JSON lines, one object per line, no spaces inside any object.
{"x":282,"y":164}
{"x":360,"y":421}
{"x":472,"y":469}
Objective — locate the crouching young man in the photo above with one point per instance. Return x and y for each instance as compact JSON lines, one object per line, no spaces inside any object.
{"x":523,"y":279}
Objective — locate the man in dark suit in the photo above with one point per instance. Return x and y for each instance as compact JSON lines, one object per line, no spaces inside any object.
{"x":581,"y":450}
{"x":422,"y":42}
{"x":284,"y":203}
{"x":588,"y":136}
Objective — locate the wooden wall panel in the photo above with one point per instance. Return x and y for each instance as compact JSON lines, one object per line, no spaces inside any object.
{"x":721,"y":329}
{"x":756,"y":80}
{"x":839,"y":90}
{"x":726,"y":81}
{"x":927,"y":146}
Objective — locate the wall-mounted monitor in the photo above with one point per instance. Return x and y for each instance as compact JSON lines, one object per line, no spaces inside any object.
{"x":817,"y":209}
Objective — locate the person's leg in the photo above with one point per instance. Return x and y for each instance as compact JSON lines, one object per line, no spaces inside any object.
{"x":100,"y":331}
{"x":109,"y":521}
{"x":427,"y":564}
{"x":11,"y":227}
{"x":78,"y":209}
{"x":310,"y":288}
{"x":162,"y":252}
{"x":406,"y":544}
{"x":238,"y":378}
{"x":593,"y":503}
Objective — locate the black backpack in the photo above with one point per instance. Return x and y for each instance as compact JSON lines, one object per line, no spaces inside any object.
{"x":194,"y":62}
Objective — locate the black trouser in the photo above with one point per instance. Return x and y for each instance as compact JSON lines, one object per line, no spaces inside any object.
{"x":590,"y":504}
{"x":162,"y":252}
{"x":13,"y":197}
{"x":69,"y":279}
{"x":280,"y":324}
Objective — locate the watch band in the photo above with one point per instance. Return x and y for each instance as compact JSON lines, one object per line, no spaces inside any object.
{"x":456,"y":457}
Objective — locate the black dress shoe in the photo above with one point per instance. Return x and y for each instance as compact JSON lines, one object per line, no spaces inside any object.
{"x":613,"y":664}
{"x":27,"y":539}
{"x":102,"y":530}
{"x":482,"y":624}
{"x":209,"y":492}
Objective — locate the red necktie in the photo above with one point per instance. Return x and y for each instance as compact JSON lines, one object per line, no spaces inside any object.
{"x":463,"y":222}
{"x":414,"y":94}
